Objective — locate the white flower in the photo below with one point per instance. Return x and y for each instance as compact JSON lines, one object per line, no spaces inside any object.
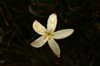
{"x":49,"y":34}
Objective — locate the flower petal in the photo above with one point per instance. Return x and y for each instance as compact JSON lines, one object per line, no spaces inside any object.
{"x":54,"y":46}
{"x":39,"y":42}
{"x":52,"y":22}
{"x":63,"y":33}
{"x":39,"y":28}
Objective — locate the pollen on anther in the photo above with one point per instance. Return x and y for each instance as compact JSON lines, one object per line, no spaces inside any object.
{"x":52,"y":35}
{"x":45,"y":37}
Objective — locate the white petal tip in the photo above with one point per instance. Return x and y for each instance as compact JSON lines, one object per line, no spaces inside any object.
{"x":72,"y":30}
{"x":35,"y":21}
{"x":35,"y":46}
{"x":32,"y":45}
{"x":54,"y":13}
{"x":58,"y":56}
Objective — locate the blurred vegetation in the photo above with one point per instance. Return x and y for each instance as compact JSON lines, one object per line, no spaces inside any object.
{"x":82,"y":48}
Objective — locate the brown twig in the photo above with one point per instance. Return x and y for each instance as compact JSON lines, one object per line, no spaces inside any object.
{"x":4,"y":16}
{"x":10,"y":39}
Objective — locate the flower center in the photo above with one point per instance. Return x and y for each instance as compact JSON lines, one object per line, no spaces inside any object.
{"x":49,"y":35}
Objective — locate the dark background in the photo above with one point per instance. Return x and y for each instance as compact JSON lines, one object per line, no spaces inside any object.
{"x":82,"y":48}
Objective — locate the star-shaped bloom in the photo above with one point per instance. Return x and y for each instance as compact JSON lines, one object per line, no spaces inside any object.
{"x":49,"y":34}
